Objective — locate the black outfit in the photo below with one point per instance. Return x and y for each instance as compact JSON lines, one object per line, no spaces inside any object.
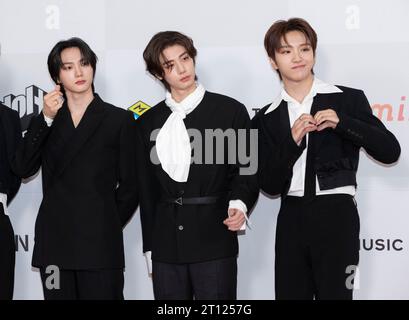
{"x":208,"y":280}
{"x":89,"y":186}
{"x":318,"y":236}
{"x":104,"y":284}
{"x":10,"y":136}
{"x":176,"y":228}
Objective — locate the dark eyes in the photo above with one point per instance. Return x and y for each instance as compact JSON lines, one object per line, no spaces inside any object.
{"x":69,"y":67}
{"x":305,"y":49}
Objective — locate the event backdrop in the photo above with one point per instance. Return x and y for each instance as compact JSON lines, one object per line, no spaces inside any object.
{"x":362,"y":44}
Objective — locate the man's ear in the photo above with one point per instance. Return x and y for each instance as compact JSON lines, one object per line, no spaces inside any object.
{"x":273,"y":63}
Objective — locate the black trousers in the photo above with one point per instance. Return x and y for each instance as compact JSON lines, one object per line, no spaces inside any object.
{"x":7,"y":257}
{"x":83,"y":284}
{"x":210,"y":280}
{"x":315,"y":244}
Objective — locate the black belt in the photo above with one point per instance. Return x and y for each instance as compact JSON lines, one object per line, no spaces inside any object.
{"x":193,"y":200}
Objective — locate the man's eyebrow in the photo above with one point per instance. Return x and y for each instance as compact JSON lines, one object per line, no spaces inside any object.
{"x":171,"y":60}
{"x":182,"y":54}
{"x":290,"y":46}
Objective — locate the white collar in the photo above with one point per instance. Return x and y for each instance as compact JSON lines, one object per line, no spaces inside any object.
{"x":318,"y":86}
{"x":189,"y":103}
{"x":173,"y":142}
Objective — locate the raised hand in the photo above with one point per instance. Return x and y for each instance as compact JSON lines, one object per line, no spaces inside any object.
{"x":326,"y":119}
{"x":53,"y":101}
{"x":304,"y":124}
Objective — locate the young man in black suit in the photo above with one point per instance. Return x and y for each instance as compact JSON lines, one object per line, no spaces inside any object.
{"x":191,"y":211}
{"x":86,"y":150}
{"x":309,"y":142}
{"x":10,"y":137}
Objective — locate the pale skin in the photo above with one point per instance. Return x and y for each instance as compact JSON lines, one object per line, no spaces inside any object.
{"x":77,"y":78}
{"x":179,"y":73}
{"x":295,"y":60}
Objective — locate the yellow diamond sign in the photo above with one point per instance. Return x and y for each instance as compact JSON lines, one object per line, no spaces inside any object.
{"x":139,"y":108}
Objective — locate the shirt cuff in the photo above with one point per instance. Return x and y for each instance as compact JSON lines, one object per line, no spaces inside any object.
{"x":48,"y":120}
{"x":148,"y":258}
{"x":238,"y":204}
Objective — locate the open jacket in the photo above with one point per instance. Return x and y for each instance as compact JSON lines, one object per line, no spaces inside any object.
{"x":336,"y":151}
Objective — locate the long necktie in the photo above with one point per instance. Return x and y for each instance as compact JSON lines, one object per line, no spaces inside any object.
{"x":309,"y":183}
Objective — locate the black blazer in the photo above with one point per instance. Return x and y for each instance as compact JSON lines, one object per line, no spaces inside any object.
{"x":204,"y":236}
{"x":10,"y":137}
{"x":336,"y":151}
{"x":89,"y":185}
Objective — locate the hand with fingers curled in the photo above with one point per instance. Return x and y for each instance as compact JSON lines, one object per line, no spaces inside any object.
{"x":235,"y":220}
{"x":304,"y":124}
{"x":53,"y":101}
{"x":327,"y":118}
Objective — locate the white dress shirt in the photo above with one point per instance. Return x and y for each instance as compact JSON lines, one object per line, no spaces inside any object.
{"x":295,"y":110}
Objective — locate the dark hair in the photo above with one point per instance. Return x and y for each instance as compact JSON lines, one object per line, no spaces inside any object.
{"x":278,"y":31}
{"x":54,"y":61}
{"x":158,"y":43}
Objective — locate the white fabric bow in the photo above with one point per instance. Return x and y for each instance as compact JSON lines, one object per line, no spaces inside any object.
{"x":173,"y":142}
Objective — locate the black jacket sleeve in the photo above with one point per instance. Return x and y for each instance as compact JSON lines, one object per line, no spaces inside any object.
{"x":12,"y":137}
{"x":127,"y":192}
{"x":147,"y":185}
{"x":365,"y":130}
{"x":244,"y":184}
{"x":276,"y":158}
{"x":27,"y":160}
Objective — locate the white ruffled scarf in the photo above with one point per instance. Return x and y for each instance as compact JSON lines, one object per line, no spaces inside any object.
{"x":173,"y":142}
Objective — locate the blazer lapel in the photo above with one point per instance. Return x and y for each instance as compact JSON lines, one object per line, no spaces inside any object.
{"x":284,"y":120}
{"x":61,"y":132}
{"x":88,"y":125}
{"x":276,"y":124}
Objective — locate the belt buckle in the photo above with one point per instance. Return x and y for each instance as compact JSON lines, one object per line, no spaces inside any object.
{"x":179,"y":201}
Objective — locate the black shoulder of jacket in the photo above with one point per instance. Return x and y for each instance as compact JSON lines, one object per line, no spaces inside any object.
{"x":152,"y":113}
{"x":221,"y":99}
{"x":7,"y":110}
{"x":349,"y":90}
